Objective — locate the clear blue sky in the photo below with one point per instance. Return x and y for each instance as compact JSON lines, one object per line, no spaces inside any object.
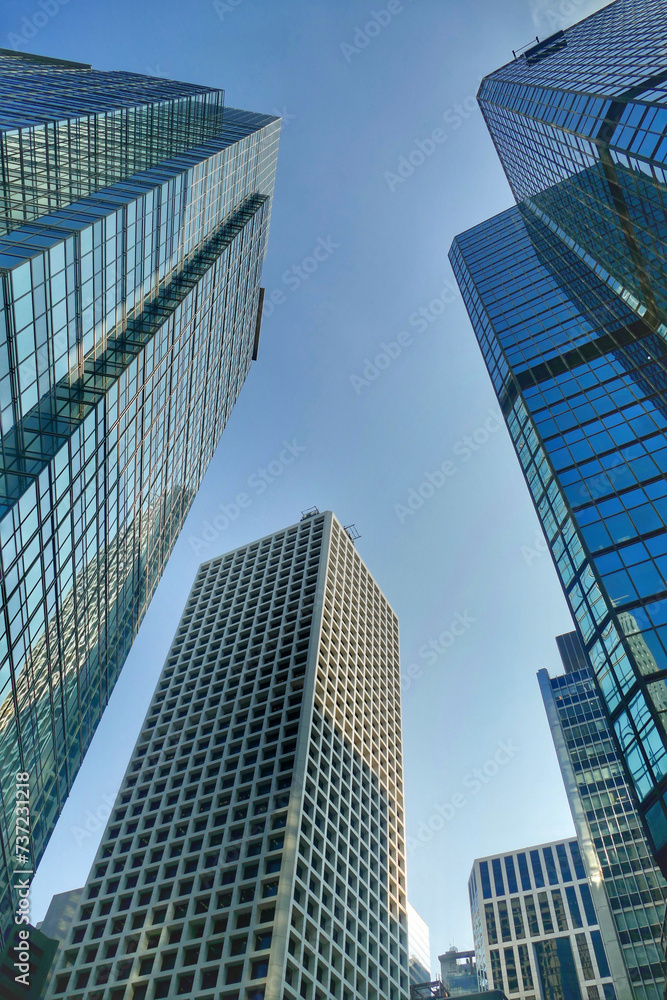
{"x":353,"y":116}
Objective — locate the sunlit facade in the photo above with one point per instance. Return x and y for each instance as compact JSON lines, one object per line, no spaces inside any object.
{"x":566,"y":292}
{"x":256,"y":848}
{"x":133,"y":226}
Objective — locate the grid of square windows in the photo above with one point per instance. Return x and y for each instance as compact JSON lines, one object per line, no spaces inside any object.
{"x":194,"y":879}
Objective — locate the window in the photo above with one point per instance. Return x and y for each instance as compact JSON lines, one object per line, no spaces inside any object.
{"x":491,"y":928}
{"x":537,"y":869}
{"x":523,"y":871}
{"x":517,"y":917}
{"x":559,"y":909}
{"x":498,"y":877}
{"x":531,"y":913}
{"x":238,"y":946}
{"x":233,"y":974}
{"x":585,"y":957}
{"x":511,"y":875}
{"x":545,"y":912}
{"x":260,"y":969}
{"x":589,"y":909}
{"x":486,"y":883}
{"x":510,"y":966}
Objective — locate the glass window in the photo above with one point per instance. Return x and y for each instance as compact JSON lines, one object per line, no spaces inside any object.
{"x":511,"y":875}
{"x":486,"y":883}
{"x":537,"y":869}
{"x":531,"y":913}
{"x":576,"y":858}
{"x":491,"y":928}
{"x":523,"y":871}
{"x":510,"y":966}
{"x":589,"y":909}
{"x":496,"y":970}
{"x":498,"y":877}
{"x":573,"y":906}
{"x":552,"y":874}
{"x":585,"y":957}
{"x":559,"y":910}
{"x":503,"y":916}
{"x":518,"y":918}
{"x":526,"y":971}
{"x":563,"y":862}
{"x":600,"y":956}
{"x":545,"y":912}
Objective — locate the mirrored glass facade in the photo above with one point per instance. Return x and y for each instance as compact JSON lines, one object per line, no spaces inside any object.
{"x":613,"y":845}
{"x":132,"y":236}
{"x":256,"y":848}
{"x":566,"y":293}
{"x":580,"y":125}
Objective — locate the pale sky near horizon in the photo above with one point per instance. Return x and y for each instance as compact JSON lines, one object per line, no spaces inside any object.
{"x":363,"y":437}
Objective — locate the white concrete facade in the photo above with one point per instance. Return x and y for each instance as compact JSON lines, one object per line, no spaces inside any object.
{"x":536,"y":929}
{"x":256,"y":849}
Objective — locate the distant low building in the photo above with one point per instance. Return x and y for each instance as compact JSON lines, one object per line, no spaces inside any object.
{"x":60,"y":914}
{"x":458,"y":972}
{"x":433,"y":990}
{"x":538,"y":932}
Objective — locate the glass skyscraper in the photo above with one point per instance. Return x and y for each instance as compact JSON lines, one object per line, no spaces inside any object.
{"x":566,"y":292}
{"x":134,"y":215}
{"x":614,"y":849}
{"x":419,"y":948}
{"x":256,"y":849}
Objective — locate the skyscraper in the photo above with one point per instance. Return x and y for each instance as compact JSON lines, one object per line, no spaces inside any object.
{"x":614,"y":848}
{"x":133,"y":226}
{"x":537,"y":928}
{"x":566,"y":293}
{"x":256,"y":848}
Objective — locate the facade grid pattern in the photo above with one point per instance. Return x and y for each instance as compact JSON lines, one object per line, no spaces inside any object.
{"x":255,"y":851}
{"x":127,"y":325}
{"x":567,"y":293}
{"x":535,"y":926}
{"x":613,"y":842}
